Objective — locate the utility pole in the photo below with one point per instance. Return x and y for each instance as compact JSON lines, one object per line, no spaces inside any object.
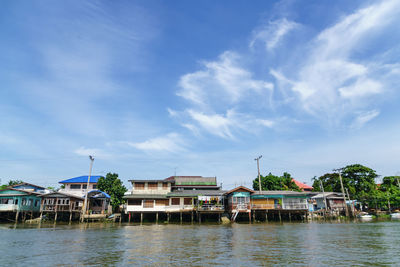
{"x":398,"y":182}
{"x":344,"y":195}
{"x":87,"y":188}
{"x":258,"y":168}
{"x":353,"y":208}
{"x":323,"y":194}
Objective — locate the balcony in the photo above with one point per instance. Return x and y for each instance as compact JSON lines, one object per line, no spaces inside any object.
{"x":8,"y":207}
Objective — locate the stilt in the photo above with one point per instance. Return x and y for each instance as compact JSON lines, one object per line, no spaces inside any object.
{"x":141,"y":217}
{"x":23,"y":216}
{"x":219,"y":217}
{"x":290,"y":217}
{"x":129,"y":217}
{"x":254,"y":216}
{"x":167,"y":217}
{"x":70,"y":216}
{"x":250,"y":216}
{"x":192,"y":216}
{"x":266,"y":215}
{"x":55,"y":218}
{"x":181,"y":216}
{"x":16,"y":216}
{"x":41,"y":215}
{"x":199,"y":217}
{"x":157,"y":217}
{"x":280,"y":218}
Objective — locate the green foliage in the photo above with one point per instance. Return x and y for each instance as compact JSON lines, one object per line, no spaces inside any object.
{"x":273,"y":182}
{"x":113,"y":186}
{"x":14,"y":182}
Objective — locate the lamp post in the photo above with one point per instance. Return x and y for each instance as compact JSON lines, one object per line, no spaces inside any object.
{"x":84,"y":210}
{"x":258,"y":168}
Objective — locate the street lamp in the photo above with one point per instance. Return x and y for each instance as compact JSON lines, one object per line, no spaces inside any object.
{"x":84,"y":210}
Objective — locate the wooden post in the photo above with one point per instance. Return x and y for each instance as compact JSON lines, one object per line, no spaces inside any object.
{"x":129,"y":217}
{"x":55,"y":218}
{"x":290,"y":217}
{"x":199,"y":217}
{"x":254,"y":216}
{"x":41,"y":215}
{"x":250,"y":216}
{"x":181,"y":216}
{"x":157,"y":217}
{"x":141,"y":217}
{"x":168,"y":217}
{"x":280,"y":218}
{"x":219,"y":217}
{"x":192,"y":216}
{"x":16,"y":216}
{"x":266,"y":215}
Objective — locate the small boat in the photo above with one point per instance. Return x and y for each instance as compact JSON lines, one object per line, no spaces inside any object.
{"x":365,"y":217}
{"x":395,"y":215}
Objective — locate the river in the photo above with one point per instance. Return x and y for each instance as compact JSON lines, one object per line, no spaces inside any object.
{"x":259,"y":244}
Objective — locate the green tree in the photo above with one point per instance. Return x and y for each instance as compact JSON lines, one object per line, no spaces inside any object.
{"x":273,"y":182}
{"x":113,"y":186}
{"x":14,"y":182}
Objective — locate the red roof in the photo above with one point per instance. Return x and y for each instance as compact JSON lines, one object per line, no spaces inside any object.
{"x":302,"y":186}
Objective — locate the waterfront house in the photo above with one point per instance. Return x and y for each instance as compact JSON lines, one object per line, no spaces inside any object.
{"x":174,"y":195}
{"x":77,"y":186}
{"x":334,"y":201}
{"x":30,"y":188}
{"x":287,"y":203}
{"x":238,"y":201}
{"x":99,"y":202}
{"x":16,"y":201}
{"x":61,"y":203}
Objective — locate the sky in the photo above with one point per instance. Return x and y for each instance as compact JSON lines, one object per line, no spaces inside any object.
{"x":157,"y":88}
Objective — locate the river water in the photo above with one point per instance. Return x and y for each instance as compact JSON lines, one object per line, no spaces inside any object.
{"x":259,"y":244}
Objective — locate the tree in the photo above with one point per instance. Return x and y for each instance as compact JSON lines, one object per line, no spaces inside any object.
{"x":273,"y":182}
{"x":14,"y":182}
{"x":113,"y":186}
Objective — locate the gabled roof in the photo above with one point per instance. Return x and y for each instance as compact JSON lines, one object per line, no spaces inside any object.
{"x":238,"y":188}
{"x":302,"y":186}
{"x":19,"y":190}
{"x":37,"y":186}
{"x":62,"y":193}
{"x":81,"y":179}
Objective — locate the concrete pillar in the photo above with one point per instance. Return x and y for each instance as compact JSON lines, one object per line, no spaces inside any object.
{"x":168,"y":217}
{"x":141,"y":217}
{"x":70,"y":216}
{"x":157,"y":217}
{"x":181,"y":216}
{"x":280,"y":218}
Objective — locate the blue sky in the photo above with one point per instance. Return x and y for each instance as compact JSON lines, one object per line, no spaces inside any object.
{"x":200,"y":88}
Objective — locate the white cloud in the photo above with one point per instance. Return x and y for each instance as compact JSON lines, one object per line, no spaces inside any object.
{"x":360,"y":88}
{"x":95,"y":152}
{"x":364,"y":117}
{"x":273,"y":33}
{"x":224,"y":79}
{"x":172,"y":142}
{"x":266,"y":123}
{"x":215,"y":124}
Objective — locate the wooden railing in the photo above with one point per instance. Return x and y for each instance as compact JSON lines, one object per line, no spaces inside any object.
{"x":210,"y":207}
{"x":241,"y":206}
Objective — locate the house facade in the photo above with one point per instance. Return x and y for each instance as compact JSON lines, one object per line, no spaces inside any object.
{"x":16,"y":201}
{"x":78,"y":185}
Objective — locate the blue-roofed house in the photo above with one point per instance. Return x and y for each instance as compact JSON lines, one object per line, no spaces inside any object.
{"x":77,"y":186}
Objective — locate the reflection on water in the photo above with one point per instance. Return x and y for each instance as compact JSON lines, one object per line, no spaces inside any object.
{"x":301,"y":244}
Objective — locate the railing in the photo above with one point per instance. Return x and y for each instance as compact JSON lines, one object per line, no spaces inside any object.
{"x":53,"y":207}
{"x":241,"y":206}
{"x":210,"y":207}
{"x":8,"y":207}
{"x":148,"y":205}
{"x":295,"y":206}
{"x":265,"y":206}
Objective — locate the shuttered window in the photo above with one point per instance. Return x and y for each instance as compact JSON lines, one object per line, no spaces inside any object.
{"x":139,"y":186}
{"x":175,"y":201}
{"x":187,"y":201}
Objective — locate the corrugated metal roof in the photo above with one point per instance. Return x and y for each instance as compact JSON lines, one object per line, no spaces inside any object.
{"x":145,"y":196}
{"x":193,"y":193}
{"x":81,"y":179}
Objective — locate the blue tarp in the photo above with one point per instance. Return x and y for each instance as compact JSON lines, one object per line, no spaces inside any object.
{"x":99,"y":194}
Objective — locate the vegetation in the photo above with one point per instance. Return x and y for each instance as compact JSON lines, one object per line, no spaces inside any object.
{"x":113,"y":186}
{"x":273,"y":182}
{"x":360,"y":182}
{"x":10,"y":183}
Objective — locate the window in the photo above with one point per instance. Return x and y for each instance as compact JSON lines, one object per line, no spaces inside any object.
{"x":67,"y":201}
{"x":148,"y":204}
{"x":162,"y":202}
{"x":187,"y":201}
{"x":139,"y":186}
{"x":165,"y":186}
{"x":30,"y":202}
{"x":23,"y":201}
{"x":36,"y":203}
{"x":84,"y":186}
{"x":59,"y":202}
{"x":95,"y":186}
{"x":75,"y":186}
{"x":135,"y":202}
{"x":175,"y":201}
{"x":16,"y":201}
{"x":152,"y":186}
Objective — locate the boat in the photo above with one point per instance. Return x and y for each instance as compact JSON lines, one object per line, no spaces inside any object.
{"x":395,"y":215}
{"x":365,"y":216}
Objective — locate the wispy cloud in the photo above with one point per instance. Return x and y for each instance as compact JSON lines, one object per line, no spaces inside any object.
{"x":171,"y":142}
{"x":364,"y":117}
{"x":271,"y":34}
